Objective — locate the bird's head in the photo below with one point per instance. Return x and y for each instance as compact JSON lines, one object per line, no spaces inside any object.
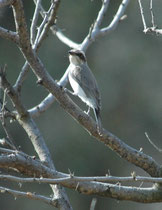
{"x":77,"y":57}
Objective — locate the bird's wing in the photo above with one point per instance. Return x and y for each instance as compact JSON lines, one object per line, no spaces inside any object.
{"x":84,"y":77}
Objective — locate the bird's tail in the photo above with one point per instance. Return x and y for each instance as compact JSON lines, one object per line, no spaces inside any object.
{"x":98,"y":119}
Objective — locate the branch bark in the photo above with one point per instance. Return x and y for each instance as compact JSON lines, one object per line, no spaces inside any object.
{"x":10,"y":35}
{"x":23,"y":163}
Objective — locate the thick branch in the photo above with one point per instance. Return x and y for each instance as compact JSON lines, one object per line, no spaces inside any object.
{"x":48,"y":101}
{"x":24,"y":165}
{"x":36,"y":138}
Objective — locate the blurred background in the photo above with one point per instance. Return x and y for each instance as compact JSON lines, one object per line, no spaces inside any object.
{"x":127,"y":65}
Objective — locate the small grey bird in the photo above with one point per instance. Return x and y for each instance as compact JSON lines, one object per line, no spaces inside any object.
{"x":84,"y":83}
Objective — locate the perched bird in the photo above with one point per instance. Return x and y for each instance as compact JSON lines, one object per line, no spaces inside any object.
{"x":84,"y":83}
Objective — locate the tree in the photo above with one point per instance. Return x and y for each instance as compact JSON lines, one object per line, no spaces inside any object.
{"x":42,"y":169}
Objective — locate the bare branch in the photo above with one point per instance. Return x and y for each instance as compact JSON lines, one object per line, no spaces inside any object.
{"x":96,"y":32}
{"x":59,"y":33}
{"x":153,"y":29}
{"x":152,"y":15}
{"x":51,"y":19}
{"x":101,"y":14}
{"x":152,"y":143}
{"x":116,"y":18}
{"x":4,"y":3}
{"x":12,"y":94}
{"x":46,"y":103}
{"x":29,"y":195}
{"x":42,"y":107}
{"x":7,"y":151}
{"x":64,"y":39}
{"x":136,"y":157}
{"x":93,"y":204}
{"x":31,"y":167}
{"x":67,"y":178}
{"x":22,"y":76}
{"x":26,"y":121}
{"x":34,"y":22}
{"x":142,"y":15}
{"x":10,"y":35}
{"x":9,"y":141}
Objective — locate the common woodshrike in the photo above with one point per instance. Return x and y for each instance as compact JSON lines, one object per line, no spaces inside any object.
{"x":84,"y":83}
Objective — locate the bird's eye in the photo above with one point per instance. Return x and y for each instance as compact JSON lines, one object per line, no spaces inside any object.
{"x":81,"y":56}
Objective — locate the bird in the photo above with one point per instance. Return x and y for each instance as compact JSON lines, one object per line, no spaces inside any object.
{"x":84,"y":84}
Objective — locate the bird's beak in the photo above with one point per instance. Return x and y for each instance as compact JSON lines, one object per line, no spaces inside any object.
{"x":71,"y":52}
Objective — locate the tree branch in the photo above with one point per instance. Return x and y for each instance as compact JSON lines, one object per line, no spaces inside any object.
{"x":96,"y":31}
{"x":33,"y":27}
{"x":65,"y":178}
{"x":26,"y":165}
{"x":46,"y":103}
{"x":10,"y":35}
{"x":49,"y":19}
{"x":29,"y":195}
{"x":116,"y":18}
{"x":34,"y":134}
{"x":64,"y":39}
{"x":146,"y":29}
{"x":128,"y":153}
{"x":4,"y":3}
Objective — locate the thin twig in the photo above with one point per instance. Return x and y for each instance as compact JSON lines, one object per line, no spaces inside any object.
{"x":22,"y":76}
{"x":142,"y":15}
{"x":40,"y":28}
{"x":93,"y":203}
{"x":52,"y":18}
{"x":153,"y":29}
{"x":49,"y":18}
{"x":26,"y":121}
{"x":67,"y":178}
{"x":31,"y":167}
{"x":12,"y":94}
{"x":34,"y":22}
{"x":64,"y":39}
{"x":101,"y":14}
{"x":152,"y":143}
{"x":29,"y":195}
{"x":117,"y":18}
{"x":111,"y":27}
{"x":152,"y":15}
{"x":9,"y":141}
